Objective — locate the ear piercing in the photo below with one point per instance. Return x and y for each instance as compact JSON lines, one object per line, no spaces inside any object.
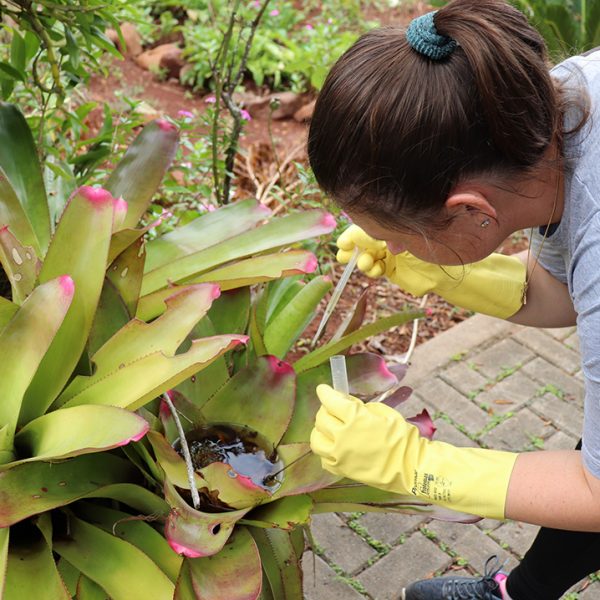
{"x":485,"y":223}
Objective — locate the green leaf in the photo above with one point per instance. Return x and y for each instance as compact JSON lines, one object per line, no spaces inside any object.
{"x":235,"y":573}
{"x":260,"y":269}
{"x":69,"y":574}
{"x":137,"y":177}
{"x":230,"y":312}
{"x":13,"y":215}
{"x":303,"y":471}
{"x":126,"y":273}
{"x":261,"y":397}
{"x":284,"y":329}
{"x":7,"y":311}
{"x":281,"y":292}
{"x":193,"y":533}
{"x":285,"y":513}
{"x":79,"y":247}
{"x":20,"y":264}
{"x":133,"y":495}
{"x":33,"y":488}
{"x":135,"y":531}
{"x":4,"y":539}
{"x":17,"y":51}
{"x":207,"y":230}
{"x":32,"y":572}
{"x":101,"y":557}
{"x":88,"y":590}
{"x":202,"y":386}
{"x":276,"y":233}
{"x":280,"y":562}
{"x":79,"y":430}
{"x":171,"y":462}
{"x":9,"y":70}
{"x":139,"y":341}
{"x":23,"y":343}
{"x":323,"y":353}
{"x":138,"y":382}
{"x":234,"y":488}
{"x":19,"y":163}
{"x":111,"y":316}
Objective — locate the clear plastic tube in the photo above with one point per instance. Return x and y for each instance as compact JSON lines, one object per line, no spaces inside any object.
{"x":339,"y":375}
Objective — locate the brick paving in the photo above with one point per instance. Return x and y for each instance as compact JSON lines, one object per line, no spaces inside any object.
{"x":486,"y":383}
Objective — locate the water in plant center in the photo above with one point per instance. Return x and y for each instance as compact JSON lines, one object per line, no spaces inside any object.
{"x":247,"y":452}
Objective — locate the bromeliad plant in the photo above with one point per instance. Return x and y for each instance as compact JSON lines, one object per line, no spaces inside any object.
{"x":117,"y":357}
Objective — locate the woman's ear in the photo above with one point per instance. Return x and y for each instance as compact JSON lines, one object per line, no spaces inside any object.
{"x":470,"y":203}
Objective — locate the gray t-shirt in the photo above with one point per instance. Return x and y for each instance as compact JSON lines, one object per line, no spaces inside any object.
{"x":572,"y":252}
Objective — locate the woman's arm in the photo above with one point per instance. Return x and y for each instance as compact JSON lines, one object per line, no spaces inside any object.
{"x":554,"y":489}
{"x":549,"y":303}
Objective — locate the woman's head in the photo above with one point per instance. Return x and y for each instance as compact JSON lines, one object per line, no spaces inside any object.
{"x":394,"y":131}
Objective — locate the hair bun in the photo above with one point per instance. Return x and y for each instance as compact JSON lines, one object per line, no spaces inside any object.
{"x":423,"y":37}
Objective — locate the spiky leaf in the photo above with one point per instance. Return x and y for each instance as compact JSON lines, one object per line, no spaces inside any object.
{"x":86,"y":543}
{"x":85,"y":225}
{"x":138,"y":175}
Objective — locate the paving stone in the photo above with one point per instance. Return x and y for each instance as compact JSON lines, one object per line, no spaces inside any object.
{"x":546,"y":373}
{"x":487,"y":525}
{"x":560,"y":333}
{"x":339,"y":543}
{"x":564,"y":414}
{"x":516,"y":432}
{"x":389,"y":528}
{"x":560,"y":441}
{"x":502,"y":355}
{"x":417,"y":558}
{"x":463,"y":378}
{"x":321,"y":582}
{"x":471,"y":544}
{"x":459,"y":408}
{"x":573,"y":342}
{"x":590,"y":592}
{"x":510,"y":394}
{"x":550,"y":349}
{"x":447,"y":432}
{"x":517,"y":536}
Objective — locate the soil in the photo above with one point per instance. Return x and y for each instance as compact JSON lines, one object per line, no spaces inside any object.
{"x":169,"y":97}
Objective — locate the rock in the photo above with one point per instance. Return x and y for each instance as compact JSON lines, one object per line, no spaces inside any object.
{"x":150,"y":59}
{"x":186,"y":75}
{"x":253,"y":103}
{"x":133,"y":40}
{"x":172,"y":62}
{"x":289,"y":103}
{"x":305,"y":113}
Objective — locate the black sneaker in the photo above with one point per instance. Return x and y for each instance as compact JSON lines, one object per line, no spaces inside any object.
{"x":459,"y":588}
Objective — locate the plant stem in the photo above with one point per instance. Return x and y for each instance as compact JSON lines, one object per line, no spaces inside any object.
{"x":186,"y":452}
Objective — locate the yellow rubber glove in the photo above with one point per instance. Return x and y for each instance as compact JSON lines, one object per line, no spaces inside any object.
{"x":373,"y":444}
{"x":492,"y":286}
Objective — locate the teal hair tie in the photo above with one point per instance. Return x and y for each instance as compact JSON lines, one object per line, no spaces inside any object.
{"x":423,"y":36}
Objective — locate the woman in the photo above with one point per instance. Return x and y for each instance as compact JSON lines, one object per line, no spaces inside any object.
{"x":440,"y":142}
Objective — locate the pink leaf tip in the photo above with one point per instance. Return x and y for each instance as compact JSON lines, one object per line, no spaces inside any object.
{"x":328,"y":221}
{"x":385,"y":372}
{"x":424,"y":424}
{"x":215,"y":292}
{"x":311,"y":264}
{"x":67,"y":284}
{"x":240,"y":339}
{"x":165,"y":125}
{"x":184,"y":550}
{"x":120,"y":205}
{"x":96,"y":195}
{"x":279,"y":367}
{"x":137,"y":437}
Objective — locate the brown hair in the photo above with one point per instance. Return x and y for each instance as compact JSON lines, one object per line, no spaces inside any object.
{"x":393,"y":131}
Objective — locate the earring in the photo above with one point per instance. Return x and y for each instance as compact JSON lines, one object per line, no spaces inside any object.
{"x":485,"y":223}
